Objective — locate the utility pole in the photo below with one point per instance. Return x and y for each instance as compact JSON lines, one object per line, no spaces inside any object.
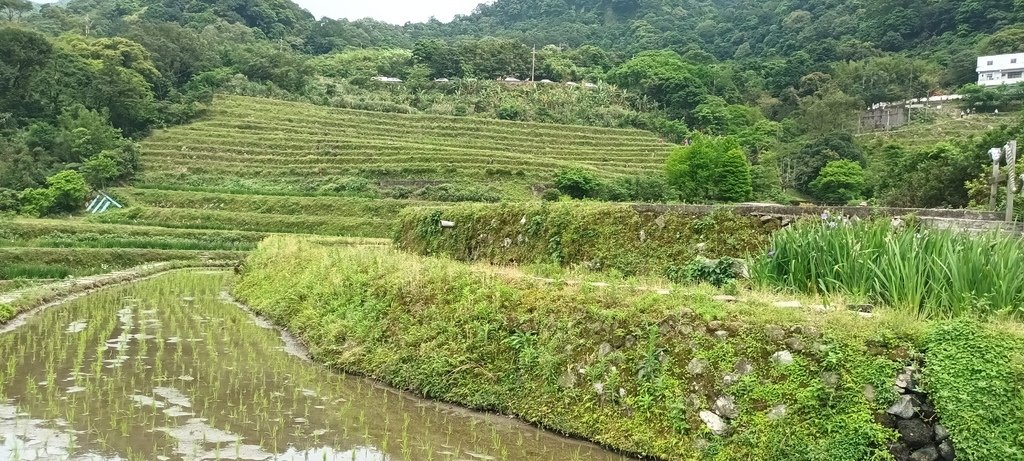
{"x":1011,"y":177}
{"x":533,"y":67}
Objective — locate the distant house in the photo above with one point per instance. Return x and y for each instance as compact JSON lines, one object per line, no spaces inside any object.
{"x":512,"y":80}
{"x":387,"y":79}
{"x":1001,"y":69}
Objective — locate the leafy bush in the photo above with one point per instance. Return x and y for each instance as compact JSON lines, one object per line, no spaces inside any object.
{"x":839,"y":182}
{"x":647,"y":189}
{"x":578,"y":183}
{"x":8,"y":200}
{"x":711,"y":169}
{"x":37,"y":202}
{"x":551,"y":195}
{"x":717,"y":272}
{"x":69,"y":191}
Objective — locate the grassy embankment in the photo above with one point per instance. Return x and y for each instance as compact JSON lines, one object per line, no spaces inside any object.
{"x":633,"y":368}
{"x":943,"y":126}
{"x":604,"y":237}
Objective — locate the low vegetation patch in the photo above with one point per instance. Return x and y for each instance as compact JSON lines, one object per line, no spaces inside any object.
{"x":598,"y":236}
{"x":61,"y":262}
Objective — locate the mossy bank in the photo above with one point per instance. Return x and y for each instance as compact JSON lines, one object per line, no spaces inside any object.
{"x":633,"y":369}
{"x":623,"y":238}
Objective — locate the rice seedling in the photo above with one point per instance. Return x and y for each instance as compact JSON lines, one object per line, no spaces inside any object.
{"x":934,"y":273}
{"x":137,"y":359}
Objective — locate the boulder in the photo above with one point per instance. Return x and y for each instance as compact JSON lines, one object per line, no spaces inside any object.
{"x":946,"y":450}
{"x":899,"y":451}
{"x":715,"y":423}
{"x":725,"y":407}
{"x":915,"y":433}
{"x":782,"y":358}
{"x":903,"y":408}
{"x":696,"y":366}
{"x":777,"y":412}
{"x":941,"y":433}
{"x":928,"y":453}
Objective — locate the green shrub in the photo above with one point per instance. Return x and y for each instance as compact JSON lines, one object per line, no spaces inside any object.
{"x":711,"y":169}
{"x":716,"y":272}
{"x":645,"y":189}
{"x":577,"y":183}
{"x":37,"y":202}
{"x":69,"y":191}
{"x":551,"y":195}
{"x":839,"y":182}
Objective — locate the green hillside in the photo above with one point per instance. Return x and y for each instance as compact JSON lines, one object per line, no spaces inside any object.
{"x":261,"y":145}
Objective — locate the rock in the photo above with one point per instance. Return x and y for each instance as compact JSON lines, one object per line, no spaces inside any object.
{"x":604,"y":349}
{"x":903,"y":408}
{"x":794,"y":344}
{"x":915,"y":433}
{"x":725,"y":298}
{"x":743,"y":367}
{"x":599,"y":388}
{"x":869,"y":393}
{"x":925,"y":454}
{"x":777,"y":412}
{"x":686,"y":312}
{"x":715,"y":325}
{"x":941,"y":433}
{"x":696,"y":366}
{"x":715,"y":424}
{"x":776,"y":333}
{"x":812,"y":332}
{"x":721,"y":334}
{"x":788,"y":304}
{"x":725,"y":407}
{"x":862,"y":307}
{"x":830,"y":379}
{"x":643,"y":235}
{"x":782,"y":358}
{"x":568,"y":379}
{"x":660,"y":222}
{"x":899,"y":451}
{"x":730,"y":378}
{"x":905,"y":380}
{"x":946,"y":450}
{"x":885,"y":419}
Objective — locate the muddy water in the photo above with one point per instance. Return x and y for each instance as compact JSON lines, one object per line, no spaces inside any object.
{"x":166,"y":369}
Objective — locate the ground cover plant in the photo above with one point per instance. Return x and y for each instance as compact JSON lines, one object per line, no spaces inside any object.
{"x":932,"y":272}
{"x":60,"y":262}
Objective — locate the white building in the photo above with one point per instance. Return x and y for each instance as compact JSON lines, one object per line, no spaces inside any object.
{"x":1003,"y":69}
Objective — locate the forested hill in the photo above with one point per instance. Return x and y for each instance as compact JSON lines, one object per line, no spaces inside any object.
{"x":946,"y":32}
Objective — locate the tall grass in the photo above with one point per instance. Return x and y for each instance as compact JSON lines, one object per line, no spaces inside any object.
{"x":934,"y":272}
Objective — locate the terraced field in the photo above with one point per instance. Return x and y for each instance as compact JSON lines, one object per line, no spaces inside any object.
{"x":263,"y":145}
{"x":39,"y":249}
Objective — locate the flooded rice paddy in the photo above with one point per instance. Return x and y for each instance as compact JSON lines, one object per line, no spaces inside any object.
{"x":168,"y":369}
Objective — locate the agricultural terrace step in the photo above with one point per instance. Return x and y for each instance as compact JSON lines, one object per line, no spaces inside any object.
{"x":794,"y":211}
{"x":286,"y":151}
{"x":496,"y":159}
{"x":285,"y":108}
{"x":184,"y":218}
{"x":439,"y":129}
{"x":242,"y":133}
{"x":475,"y":169}
{"x":268,"y":204}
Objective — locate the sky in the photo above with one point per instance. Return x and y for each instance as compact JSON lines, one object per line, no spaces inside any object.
{"x":393,"y":11}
